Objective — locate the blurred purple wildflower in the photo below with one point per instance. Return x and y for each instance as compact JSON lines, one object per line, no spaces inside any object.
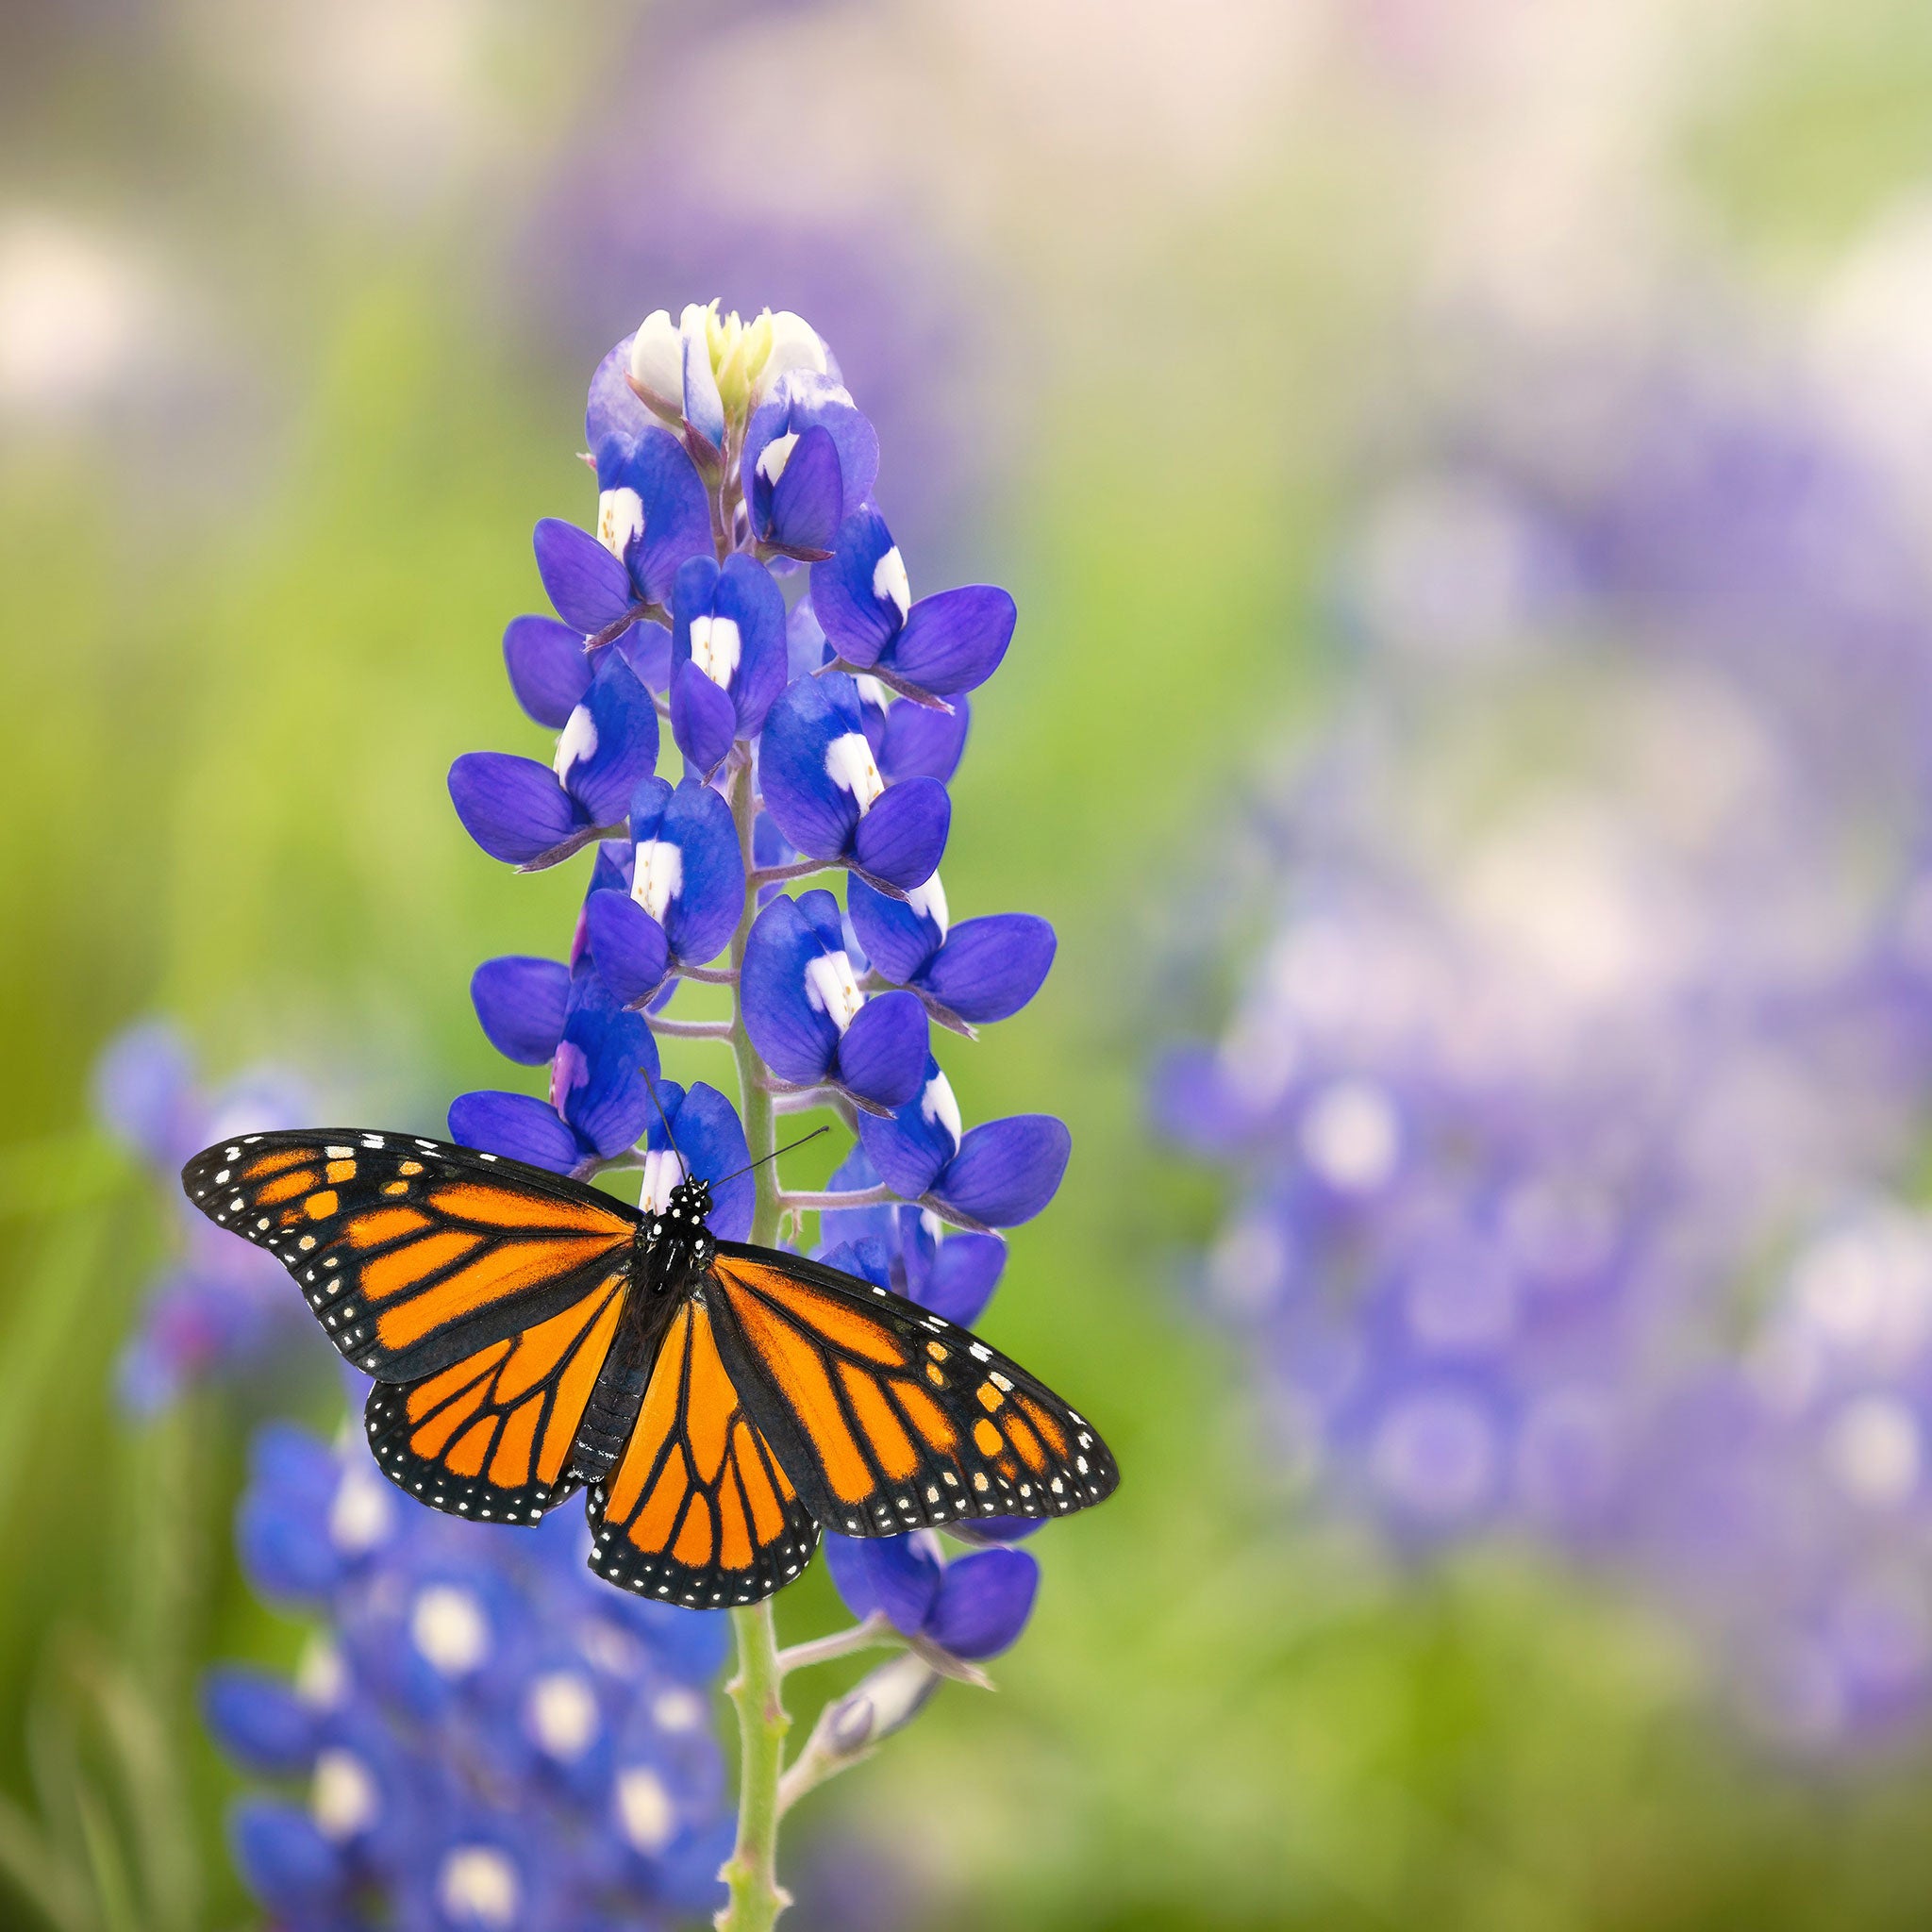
{"x":1571,"y":1093}
{"x":217,"y":1309}
{"x":481,"y":1734}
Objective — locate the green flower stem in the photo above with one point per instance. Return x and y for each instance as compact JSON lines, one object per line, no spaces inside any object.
{"x":751,"y":1873}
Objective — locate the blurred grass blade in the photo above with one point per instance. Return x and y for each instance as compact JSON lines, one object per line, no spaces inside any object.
{"x":113,"y":1887}
{"x":36,"y":1871}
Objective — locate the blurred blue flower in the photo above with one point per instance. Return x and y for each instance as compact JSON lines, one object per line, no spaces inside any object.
{"x":482,"y":1734}
{"x":1567,"y":1110}
{"x":218,"y":1308}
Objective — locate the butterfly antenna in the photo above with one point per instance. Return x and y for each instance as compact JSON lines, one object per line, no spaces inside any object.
{"x":651,"y":1086}
{"x":774,"y":1154}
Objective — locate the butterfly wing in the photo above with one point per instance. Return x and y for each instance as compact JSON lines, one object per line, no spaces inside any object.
{"x":414,"y":1255}
{"x":491,"y":1436}
{"x":698,"y":1510}
{"x":889,"y":1418}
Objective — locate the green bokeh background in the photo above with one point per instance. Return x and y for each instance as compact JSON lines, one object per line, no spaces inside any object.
{"x":232,"y":686}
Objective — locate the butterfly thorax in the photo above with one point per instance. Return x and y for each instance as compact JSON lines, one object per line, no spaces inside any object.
{"x":676,"y":1244}
{"x":673,"y":1249}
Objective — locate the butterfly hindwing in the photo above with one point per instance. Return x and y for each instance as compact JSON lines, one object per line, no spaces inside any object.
{"x":413,"y":1254}
{"x":886,"y":1417}
{"x":697,"y":1510}
{"x":491,"y":1436}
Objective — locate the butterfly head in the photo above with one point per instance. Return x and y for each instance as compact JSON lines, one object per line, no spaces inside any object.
{"x":690,"y":1205}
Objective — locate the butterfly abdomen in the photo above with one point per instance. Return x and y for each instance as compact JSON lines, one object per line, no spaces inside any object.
{"x":619,"y":1392}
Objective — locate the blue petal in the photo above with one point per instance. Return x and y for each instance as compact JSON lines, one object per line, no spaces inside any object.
{"x":711,"y":1138}
{"x":702,"y":916}
{"x":797,"y":1041}
{"x":258,"y":1721}
{"x":514,"y":808}
{"x":601,"y":1092}
{"x":954,"y":1277}
{"x":806,"y":650}
{"x":990,"y":968}
{"x":898,"y":1574}
{"x":678,"y":513}
{"x":867,"y":1259}
{"x":1007,"y":1171}
{"x":920,"y":742}
{"x":143,"y":1091}
{"x":898,"y":939}
{"x":748,"y":595}
{"x":518,"y":1126}
{"x":881,"y":1055}
{"x":629,"y":946}
{"x":646,"y":648}
{"x":859,"y":621}
{"x":911,"y":1148}
{"x":903,"y":837}
{"x":548,"y":669}
{"x":808,"y":498}
{"x":811,"y":808}
{"x":590,"y":587}
{"x":613,"y":408}
{"x":702,"y":719}
{"x":626,"y":722}
{"x":953,"y":640}
{"x":984,"y":1602}
{"x":283,"y":1859}
{"x":996,"y":1532}
{"x":846,"y":1226}
{"x":519,"y":1002}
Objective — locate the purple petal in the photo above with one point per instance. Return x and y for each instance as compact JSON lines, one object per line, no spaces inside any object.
{"x":590,"y":587}
{"x":867,"y":1259}
{"x":144,"y":1089}
{"x":704,"y":407}
{"x":811,"y":808}
{"x":646,"y":648}
{"x":548,"y":669}
{"x":702,"y":720}
{"x":903,"y":837}
{"x":853,"y":1224}
{"x":711,"y":1138}
{"x":996,"y":1532}
{"x":258,"y":1721}
{"x":517,"y":1126}
{"x":797,"y":1039}
{"x":858,"y":620}
{"x":284,"y":1860}
{"x":622,"y":741}
{"x":809,"y":497}
{"x":678,"y":513}
{"x":898,"y":1574}
{"x":956,"y":639}
{"x":513,"y":808}
{"x":627,"y":946}
{"x":955,"y":1277}
{"x":881,"y":1055}
{"x":990,"y":968}
{"x":613,"y":408}
{"x":899,"y":939}
{"x":703,"y":912}
{"x":520,"y":1003}
{"x":909,"y":1149}
{"x":596,"y":1081}
{"x":748,"y":595}
{"x":920,"y":742}
{"x":1007,"y":1171}
{"x":983,"y":1603}
{"x":806,"y":650}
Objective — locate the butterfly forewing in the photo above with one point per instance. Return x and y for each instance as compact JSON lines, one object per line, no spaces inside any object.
{"x":413,"y":1254}
{"x":491,"y":1436}
{"x":697,"y":1511}
{"x":888,"y":1418}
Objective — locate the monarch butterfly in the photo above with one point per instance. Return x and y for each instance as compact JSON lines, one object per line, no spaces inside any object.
{"x":530,"y":1336}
